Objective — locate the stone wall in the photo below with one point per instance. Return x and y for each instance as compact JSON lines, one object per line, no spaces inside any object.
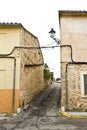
{"x":75,"y":100}
{"x":63,"y":85}
{"x":32,"y":76}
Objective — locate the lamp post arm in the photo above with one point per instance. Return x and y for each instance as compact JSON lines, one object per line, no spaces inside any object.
{"x":57,"y":41}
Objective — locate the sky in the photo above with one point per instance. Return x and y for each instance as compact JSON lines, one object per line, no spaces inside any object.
{"x":39,"y":16}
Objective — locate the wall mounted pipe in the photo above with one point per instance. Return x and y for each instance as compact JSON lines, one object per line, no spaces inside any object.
{"x":29,"y":48}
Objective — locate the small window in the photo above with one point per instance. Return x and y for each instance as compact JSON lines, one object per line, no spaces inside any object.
{"x":85,"y":84}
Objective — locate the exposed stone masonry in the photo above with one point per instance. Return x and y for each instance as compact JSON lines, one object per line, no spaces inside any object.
{"x":75,"y":100}
{"x":32,"y":78}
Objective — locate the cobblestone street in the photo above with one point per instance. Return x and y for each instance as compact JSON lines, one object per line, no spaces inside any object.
{"x":42,"y":114}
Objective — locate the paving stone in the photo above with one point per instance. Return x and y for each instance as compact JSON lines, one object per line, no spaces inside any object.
{"x":19,"y":129}
{"x":22,"y":124}
{"x":3,"y":128}
{"x":9,"y":126}
{"x":31,"y":128}
{"x":58,"y":127}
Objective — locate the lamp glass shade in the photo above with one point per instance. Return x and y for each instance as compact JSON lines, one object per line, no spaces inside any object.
{"x":52,"y":33}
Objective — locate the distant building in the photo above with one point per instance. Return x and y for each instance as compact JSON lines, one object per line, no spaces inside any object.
{"x":73,"y":37}
{"x":21,"y":67}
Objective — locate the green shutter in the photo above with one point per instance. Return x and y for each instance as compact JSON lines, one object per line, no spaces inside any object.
{"x":85,"y":83}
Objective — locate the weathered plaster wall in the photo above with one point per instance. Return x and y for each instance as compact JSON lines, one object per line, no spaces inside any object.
{"x":74,"y":32}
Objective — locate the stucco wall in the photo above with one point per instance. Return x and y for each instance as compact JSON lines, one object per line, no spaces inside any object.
{"x":9,"y":38}
{"x":74,"y":32}
{"x":6,"y":85}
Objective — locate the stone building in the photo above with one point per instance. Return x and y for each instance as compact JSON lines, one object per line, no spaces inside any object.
{"x":21,"y":67}
{"x":73,"y":37}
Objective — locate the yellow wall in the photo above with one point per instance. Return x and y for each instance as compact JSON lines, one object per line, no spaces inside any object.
{"x":74,"y":32}
{"x":9,"y":37}
{"x":6,"y":73}
{"x":6,"y":100}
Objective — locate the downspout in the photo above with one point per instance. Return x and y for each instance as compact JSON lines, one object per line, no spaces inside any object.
{"x":14,"y":80}
{"x":66,"y":75}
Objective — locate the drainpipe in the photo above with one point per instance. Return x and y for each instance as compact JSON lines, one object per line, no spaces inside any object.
{"x":66,"y":75}
{"x":14,"y":80}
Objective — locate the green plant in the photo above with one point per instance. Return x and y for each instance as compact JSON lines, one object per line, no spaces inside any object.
{"x":47,"y":74}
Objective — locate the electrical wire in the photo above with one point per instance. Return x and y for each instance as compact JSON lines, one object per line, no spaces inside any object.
{"x":50,"y":44}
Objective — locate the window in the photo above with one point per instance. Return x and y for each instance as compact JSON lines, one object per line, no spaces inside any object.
{"x":84,"y":84}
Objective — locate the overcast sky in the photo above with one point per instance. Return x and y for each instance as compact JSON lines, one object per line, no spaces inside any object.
{"x":39,"y":16}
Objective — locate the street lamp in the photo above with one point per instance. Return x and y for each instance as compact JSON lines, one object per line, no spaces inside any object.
{"x":52,"y":34}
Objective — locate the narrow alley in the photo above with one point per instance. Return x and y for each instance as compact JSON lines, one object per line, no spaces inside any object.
{"x":47,"y":102}
{"x":42,"y":114}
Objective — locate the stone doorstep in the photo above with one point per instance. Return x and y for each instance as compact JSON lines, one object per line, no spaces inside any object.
{"x":74,"y":114}
{"x":3,"y":117}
